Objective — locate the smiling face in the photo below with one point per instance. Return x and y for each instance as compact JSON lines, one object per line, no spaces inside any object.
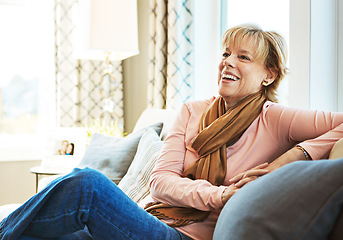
{"x":241,"y":72}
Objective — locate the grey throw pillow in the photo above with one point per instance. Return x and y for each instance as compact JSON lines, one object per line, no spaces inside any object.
{"x":113,"y":155}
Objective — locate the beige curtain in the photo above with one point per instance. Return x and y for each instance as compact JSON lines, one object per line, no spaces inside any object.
{"x":171,"y":53}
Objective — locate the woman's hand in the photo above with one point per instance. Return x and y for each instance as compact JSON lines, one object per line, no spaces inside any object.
{"x":229,"y":192}
{"x":243,"y":178}
{"x":292,"y":155}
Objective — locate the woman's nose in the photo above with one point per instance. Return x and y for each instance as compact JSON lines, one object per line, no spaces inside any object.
{"x":229,"y":61}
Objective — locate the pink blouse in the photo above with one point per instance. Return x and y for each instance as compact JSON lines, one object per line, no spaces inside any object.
{"x":273,"y":132}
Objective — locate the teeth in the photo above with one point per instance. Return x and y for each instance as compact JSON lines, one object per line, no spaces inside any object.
{"x":230,"y":77}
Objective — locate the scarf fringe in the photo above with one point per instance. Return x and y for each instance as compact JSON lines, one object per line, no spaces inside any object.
{"x":176,"y":222}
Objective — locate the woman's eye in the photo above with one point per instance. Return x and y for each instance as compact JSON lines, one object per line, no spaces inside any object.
{"x":244,"y":57}
{"x":225,"y":55}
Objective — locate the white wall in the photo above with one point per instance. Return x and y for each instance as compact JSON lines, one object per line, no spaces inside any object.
{"x":17,"y":184}
{"x":135,"y":71}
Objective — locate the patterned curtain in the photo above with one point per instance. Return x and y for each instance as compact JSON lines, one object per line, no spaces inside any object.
{"x":78,"y":82}
{"x":170,"y":53}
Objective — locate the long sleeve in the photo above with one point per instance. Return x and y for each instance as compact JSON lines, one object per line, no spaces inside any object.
{"x":167,"y":184}
{"x":316,"y":131}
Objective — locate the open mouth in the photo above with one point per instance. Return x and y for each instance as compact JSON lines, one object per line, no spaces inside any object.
{"x":229,"y":77}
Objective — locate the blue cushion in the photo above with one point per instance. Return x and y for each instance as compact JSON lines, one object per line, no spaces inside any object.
{"x":113,"y":155}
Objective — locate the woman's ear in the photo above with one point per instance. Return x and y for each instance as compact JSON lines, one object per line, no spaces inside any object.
{"x":271,"y":76}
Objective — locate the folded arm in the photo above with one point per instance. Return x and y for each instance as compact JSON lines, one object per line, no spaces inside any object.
{"x":316,"y":130}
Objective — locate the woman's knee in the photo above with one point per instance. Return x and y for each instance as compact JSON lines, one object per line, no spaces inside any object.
{"x":86,"y":172}
{"x":87,"y":177}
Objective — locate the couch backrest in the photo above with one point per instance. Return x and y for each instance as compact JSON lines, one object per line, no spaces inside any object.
{"x":154,"y":115}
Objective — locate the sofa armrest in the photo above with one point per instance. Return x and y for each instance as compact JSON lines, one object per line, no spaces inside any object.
{"x":154,"y":115}
{"x":43,"y":182}
{"x":6,"y":210}
{"x":337,"y":150}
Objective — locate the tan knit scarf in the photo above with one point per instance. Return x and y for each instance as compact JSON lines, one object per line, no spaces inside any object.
{"x":219,"y":128}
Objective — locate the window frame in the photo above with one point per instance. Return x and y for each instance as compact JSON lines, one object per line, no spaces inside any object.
{"x":340,"y":55}
{"x":325,"y":76}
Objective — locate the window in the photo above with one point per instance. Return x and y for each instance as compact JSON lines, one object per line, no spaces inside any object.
{"x":27,"y":75}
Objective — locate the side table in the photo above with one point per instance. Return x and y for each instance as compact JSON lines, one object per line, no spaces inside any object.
{"x":40,"y":170}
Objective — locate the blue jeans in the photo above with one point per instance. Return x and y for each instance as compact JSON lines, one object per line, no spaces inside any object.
{"x":302,"y":200}
{"x":83,"y":205}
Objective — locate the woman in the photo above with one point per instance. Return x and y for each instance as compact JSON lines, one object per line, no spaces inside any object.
{"x":243,"y":135}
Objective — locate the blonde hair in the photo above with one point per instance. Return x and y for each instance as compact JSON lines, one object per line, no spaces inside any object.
{"x":270,"y":49}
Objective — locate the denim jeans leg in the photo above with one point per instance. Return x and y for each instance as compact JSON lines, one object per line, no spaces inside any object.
{"x":79,"y":235}
{"x":84,"y":198}
{"x":298,"y":201}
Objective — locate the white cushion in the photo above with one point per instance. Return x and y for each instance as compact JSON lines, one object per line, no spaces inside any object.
{"x":136,"y":181}
{"x":153,"y":115}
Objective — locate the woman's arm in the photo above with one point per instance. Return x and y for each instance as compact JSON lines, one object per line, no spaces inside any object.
{"x":315,"y":131}
{"x":292,"y":155}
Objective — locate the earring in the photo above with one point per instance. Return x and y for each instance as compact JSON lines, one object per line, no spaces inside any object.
{"x":265,"y":83}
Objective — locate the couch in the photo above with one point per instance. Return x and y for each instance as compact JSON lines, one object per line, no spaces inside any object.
{"x":140,"y":148}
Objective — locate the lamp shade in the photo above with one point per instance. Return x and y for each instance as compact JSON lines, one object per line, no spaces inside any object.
{"x":107,"y":26}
